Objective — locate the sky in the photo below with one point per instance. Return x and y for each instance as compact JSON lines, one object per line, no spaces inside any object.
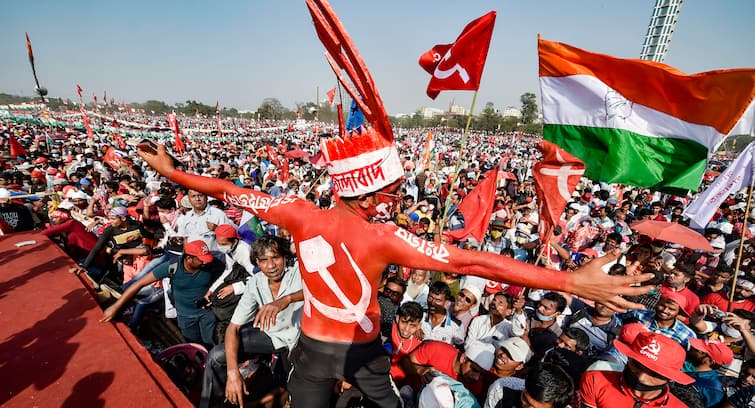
{"x":241,"y":52}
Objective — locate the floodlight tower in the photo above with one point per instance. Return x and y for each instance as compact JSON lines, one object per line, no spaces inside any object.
{"x":660,"y":29}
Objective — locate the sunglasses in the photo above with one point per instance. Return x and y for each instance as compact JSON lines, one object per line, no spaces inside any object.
{"x":466,"y":298}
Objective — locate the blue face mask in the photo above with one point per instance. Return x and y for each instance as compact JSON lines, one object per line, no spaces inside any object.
{"x":544,"y":318}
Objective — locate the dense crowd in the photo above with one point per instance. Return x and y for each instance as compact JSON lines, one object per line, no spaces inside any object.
{"x":454,"y":340}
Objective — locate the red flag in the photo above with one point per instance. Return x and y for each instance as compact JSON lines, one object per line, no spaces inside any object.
{"x":15,"y":148}
{"x":285,"y":171}
{"x":116,"y":159}
{"x":104,"y":97}
{"x":556,"y":177}
{"x":477,"y":208}
{"x":271,"y":155}
{"x":79,"y":90}
{"x":331,"y":96}
{"x":118,"y":138}
{"x":459,"y":66}
{"x":85,"y":118}
{"x":174,"y":125}
{"x":95,"y":98}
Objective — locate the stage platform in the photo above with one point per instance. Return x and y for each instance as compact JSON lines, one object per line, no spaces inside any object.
{"x":54,"y":352}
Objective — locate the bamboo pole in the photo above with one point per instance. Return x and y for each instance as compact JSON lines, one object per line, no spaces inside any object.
{"x":741,"y":247}
{"x":462,"y":147}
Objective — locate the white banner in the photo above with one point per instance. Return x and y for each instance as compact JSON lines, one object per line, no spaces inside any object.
{"x":736,"y":177}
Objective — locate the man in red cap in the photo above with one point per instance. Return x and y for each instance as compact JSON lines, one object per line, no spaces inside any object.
{"x":654,"y":361}
{"x":191,"y":277}
{"x":707,"y":356}
{"x":664,"y":318}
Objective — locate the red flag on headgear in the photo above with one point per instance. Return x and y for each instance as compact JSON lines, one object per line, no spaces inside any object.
{"x":477,"y":207}
{"x":173,"y":122}
{"x":15,"y":148}
{"x":29,"y":50}
{"x":331,"y":96}
{"x":459,"y":66}
{"x":556,"y":177}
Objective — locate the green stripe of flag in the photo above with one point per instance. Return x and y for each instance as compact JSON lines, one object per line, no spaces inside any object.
{"x":624,"y":157}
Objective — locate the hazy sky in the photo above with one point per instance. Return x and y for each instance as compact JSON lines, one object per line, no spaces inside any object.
{"x":240,"y":52}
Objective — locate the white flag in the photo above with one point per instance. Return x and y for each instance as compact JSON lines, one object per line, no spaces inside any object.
{"x":736,"y":177}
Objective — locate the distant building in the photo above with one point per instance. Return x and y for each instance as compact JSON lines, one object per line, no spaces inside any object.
{"x":458,"y":110}
{"x":428,"y":113}
{"x":512,"y":112}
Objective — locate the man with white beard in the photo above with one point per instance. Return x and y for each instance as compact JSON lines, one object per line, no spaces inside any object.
{"x":417,"y":288}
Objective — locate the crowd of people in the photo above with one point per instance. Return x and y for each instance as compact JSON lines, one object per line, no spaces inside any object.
{"x":232,"y":277}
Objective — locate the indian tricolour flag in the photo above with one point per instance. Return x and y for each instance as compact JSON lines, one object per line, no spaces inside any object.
{"x":640,"y":123}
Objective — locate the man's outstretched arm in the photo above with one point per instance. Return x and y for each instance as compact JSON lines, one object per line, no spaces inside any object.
{"x":280,"y":211}
{"x":589,"y":281}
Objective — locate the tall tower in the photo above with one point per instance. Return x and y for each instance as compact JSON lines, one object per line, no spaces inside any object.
{"x":660,"y":29}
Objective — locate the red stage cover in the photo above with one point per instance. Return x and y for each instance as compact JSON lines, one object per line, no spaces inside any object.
{"x":53,"y":350}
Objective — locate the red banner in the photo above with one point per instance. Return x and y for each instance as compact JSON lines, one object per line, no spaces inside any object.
{"x":459,"y":66}
{"x":556,"y":177}
{"x":477,"y":207}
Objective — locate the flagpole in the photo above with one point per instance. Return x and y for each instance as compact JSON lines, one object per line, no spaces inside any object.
{"x":462,"y":146}
{"x":741,"y":247}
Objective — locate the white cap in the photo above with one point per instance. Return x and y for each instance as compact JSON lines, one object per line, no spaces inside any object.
{"x":483,"y":354}
{"x":517,"y":349}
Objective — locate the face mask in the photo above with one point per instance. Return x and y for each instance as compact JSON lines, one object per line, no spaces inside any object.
{"x":226,"y":249}
{"x":171,"y":216}
{"x":634,"y":383}
{"x":544,"y":318}
{"x":496,"y":234}
{"x":676,"y":285}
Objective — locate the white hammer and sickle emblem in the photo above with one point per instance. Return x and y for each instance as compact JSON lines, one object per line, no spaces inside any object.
{"x":443,"y":74}
{"x":317,"y":255}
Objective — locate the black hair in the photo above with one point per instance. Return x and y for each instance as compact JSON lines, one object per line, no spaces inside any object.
{"x":509,"y":298}
{"x":397,"y":281}
{"x":558,"y":298}
{"x":410,"y":310}
{"x":271,"y":242}
{"x":166,"y":203}
{"x":687,"y":269}
{"x":617,"y":269}
{"x":440,"y":288}
{"x":549,"y":383}
{"x":578,"y":335}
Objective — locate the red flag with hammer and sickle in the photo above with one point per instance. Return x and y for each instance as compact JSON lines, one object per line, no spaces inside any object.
{"x":458,"y":66}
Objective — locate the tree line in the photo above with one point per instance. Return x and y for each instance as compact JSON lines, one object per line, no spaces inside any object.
{"x":489,"y":119}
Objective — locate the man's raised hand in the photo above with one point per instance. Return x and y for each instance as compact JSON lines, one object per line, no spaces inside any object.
{"x":589,"y":281}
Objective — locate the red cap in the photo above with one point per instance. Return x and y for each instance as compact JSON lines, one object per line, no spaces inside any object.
{"x":40,"y":160}
{"x":225,"y":231}
{"x":719,"y":352}
{"x":199,"y":249}
{"x":630,"y":331}
{"x":660,"y":354}
{"x":668,"y":293}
